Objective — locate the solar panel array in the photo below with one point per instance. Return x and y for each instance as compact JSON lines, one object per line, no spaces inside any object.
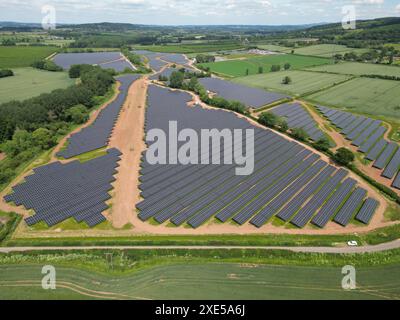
{"x":368,"y":135}
{"x":96,"y":135}
{"x":251,"y":97}
{"x":106,"y":60}
{"x":57,"y":192}
{"x":298,"y":117}
{"x":284,"y":172}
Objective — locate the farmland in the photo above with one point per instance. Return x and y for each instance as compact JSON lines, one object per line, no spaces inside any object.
{"x":18,"y":57}
{"x":359,"y":69}
{"x":238,"y":68}
{"x":29,"y":82}
{"x":235,"y":274}
{"x":370,"y":96}
{"x":327,"y":50}
{"x":302,"y":82}
{"x":191,"y":48}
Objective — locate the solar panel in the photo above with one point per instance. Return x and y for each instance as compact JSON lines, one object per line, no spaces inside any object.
{"x":385,"y":156}
{"x":367,"y":211}
{"x":352,"y":204}
{"x":393,"y":166}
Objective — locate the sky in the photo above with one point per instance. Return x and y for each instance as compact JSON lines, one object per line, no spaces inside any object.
{"x":197,"y":12}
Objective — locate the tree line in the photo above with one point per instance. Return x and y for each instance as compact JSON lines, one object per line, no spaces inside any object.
{"x":32,"y":126}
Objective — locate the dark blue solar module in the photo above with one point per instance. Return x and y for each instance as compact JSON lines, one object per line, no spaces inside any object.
{"x":385,"y":156}
{"x":113,"y":60}
{"x":251,"y":97}
{"x":367,"y":211}
{"x":396,"y":182}
{"x":195,"y":193}
{"x":96,"y":135}
{"x":57,"y":191}
{"x":346,"y":213}
{"x":297,"y":117}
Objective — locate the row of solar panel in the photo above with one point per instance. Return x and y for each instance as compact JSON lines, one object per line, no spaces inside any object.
{"x":297,"y":117}
{"x":368,"y":135}
{"x":96,"y":135}
{"x":288,"y":180}
{"x":57,"y":191}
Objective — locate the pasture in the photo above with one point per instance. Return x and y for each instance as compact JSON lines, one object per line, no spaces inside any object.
{"x":29,"y":82}
{"x":211,"y":281}
{"x":191,"y":48}
{"x":327,"y":50}
{"x":23,"y":56}
{"x":363,"y":95}
{"x":240,"y":68}
{"x":302,"y":81}
{"x":274,"y":47}
{"x":356,"y":68}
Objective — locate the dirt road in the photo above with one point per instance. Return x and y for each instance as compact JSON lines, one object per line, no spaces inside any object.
{"x":332,"y":250}
{"x":128,"y":137}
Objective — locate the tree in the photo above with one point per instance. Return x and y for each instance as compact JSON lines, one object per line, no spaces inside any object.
{"x":283,"y":126}
{"x":322,"y":144}
{"x":247,"y":72}
{"x":344,"y":156}
{"x":286,"y":80}
{"x":6,"y":73}
{"x":287,"y":66}
{"x":275,"y":68}
{"x":300,"y":134}
{"x":43,"y":138}
{"x":260,"y":70}
{"x":77,"y":114}
{"x":176,"y":80}
{"x":269,"y":119}
{"x":193,"y":83}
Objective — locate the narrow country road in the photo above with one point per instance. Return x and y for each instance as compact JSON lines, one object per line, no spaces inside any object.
{"x":334,"y":250}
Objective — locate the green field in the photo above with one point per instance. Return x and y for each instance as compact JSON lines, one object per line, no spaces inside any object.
{"x":211,"y":281}
{"x":363,"y":95}
{"x":274,"y":47}
{"x":29,"y":82}
{"x":327,"y":50}
{"x":17,"y":57}
{"x":356,"y":68}
{"x":238,"y":68}
{"x":302,"y":81}
{"x":191,"y":48}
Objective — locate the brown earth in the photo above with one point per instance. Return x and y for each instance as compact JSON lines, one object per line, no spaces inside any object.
{"x":2,"y":156}
{"x":128,"y":137}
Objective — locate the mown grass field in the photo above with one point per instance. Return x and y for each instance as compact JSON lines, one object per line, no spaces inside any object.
{"x":359,"y":69}
{"x":370,"y":96}
{"x":274,"y":47}
{"x":29,"y":82}
{"x":23,"y":56}
{"x":202,"y":281}
{"x":238,"y":68}
{"x":302,"y":81}
{"x":327,"y":50}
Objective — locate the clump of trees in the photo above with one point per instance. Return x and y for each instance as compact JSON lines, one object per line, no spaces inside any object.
{"x":287,"y":80}
{"x":275,"y":68}
{"x":6,"y":73}
{"x":299,"y":134}
{"x":273,"y":121}
{"x":344,"y":156}
{"x":47,"y":65}
{"x":204,"y":58}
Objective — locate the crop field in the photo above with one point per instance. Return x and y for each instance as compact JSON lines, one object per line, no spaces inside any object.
{"x":18,"y":57}
{"x":370,"y":96}
{"x":212,"y":281}
{"x":327,"y":50}
{"x":356,"y":68}
{"x":29,"y":82}
{"x":302,"y":81}
{"x":192,"y":48}
{"x":238,"y":68}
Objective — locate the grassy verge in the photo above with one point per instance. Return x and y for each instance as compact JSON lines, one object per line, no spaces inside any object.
{"x":7,"y":228}
{"x":378,"y":236}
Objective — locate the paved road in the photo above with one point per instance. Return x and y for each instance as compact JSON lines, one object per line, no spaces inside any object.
{"x":364,"y":249}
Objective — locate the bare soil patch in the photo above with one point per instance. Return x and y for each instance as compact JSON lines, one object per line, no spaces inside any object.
{"x":2,"y":156}
{"x":128,"y":137}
